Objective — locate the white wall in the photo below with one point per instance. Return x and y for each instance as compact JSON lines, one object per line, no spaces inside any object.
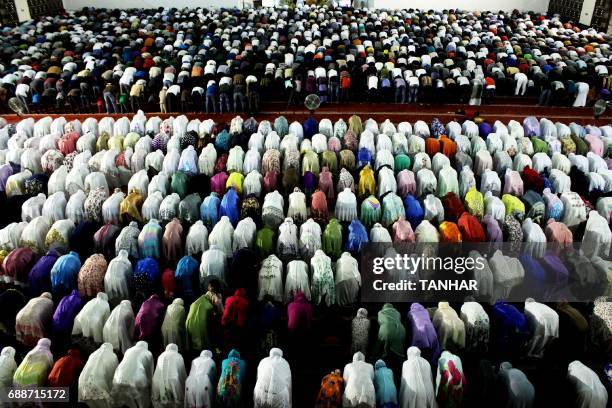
{"x":586,"y":14}
{"x":506,"y":5}
{"x":23,"y":10}
{"x":79,"y":4}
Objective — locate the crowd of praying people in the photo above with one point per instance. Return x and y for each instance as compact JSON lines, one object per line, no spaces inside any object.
{"x":196,"y":263}
{"x":231,"y":60}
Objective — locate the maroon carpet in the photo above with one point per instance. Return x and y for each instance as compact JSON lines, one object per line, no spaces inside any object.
{"x":505,"y":109}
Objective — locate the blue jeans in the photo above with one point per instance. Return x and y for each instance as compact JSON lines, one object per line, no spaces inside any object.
{"x":400,"y":94}
{"x":224,"y":100}
{"x":211,"y":101}
{"x":239,"y":98}
{"x":334,"y":93}
{"x":413,"y":94}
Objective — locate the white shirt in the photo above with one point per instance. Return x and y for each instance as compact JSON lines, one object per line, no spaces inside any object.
{"x":22,"y":90}
{"x":174,"y":89}
{"x":413,"y":81}
{"x":320,"y":72}
{"x":209,"y":69}
{"x":373,"y":82}
{"x":225,"y":81}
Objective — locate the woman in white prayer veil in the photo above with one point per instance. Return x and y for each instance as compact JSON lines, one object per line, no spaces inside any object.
{"x":520,"y":393}
{"x":89,"y":322}
{"x":168,"y":390}
{"x":416,"y":389}
{"x":7,"y":368}
{"x":199,"y":388}
{"x":33,"y":319}
{"x":450,"y":328}
{"x":359,"y":383}
{"x":544,"y":326}
{"x":117,"y":277}
{"x":35,"y":366}
{"x":589,"y":391}
{"x":273,"y":386}
{"x":96,"y":379}
{"x":132,"y":379}
{"x":119,"y":327}
{"x":174,"y":323}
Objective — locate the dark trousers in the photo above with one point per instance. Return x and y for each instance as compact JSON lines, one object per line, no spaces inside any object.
{"x":400,"y":94}
{"x":465,"y":91}
{"x":224,"y":101}
{"x":24,"y":102}
{"x":254,"y":103}
{"x":489,"y":95}
{"x":135,"y":100}
{"x":239,"y":99}
{"x":413,"y":94}
{"x":211,"y":103}
{"x":172,"y":102}
{"x":111,"y":103}
{"x":544,"y":97}
{"x":334,"y":93}
{"x":345,"y":94}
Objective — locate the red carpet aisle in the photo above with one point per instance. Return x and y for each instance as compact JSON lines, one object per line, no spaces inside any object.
{"x":505,"y":109}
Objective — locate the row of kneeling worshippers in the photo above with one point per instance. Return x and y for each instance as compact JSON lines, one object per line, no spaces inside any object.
{"x":216,"y":59}
{"x":208,"y":322}
{"x":137,"y":381}
{"x":500,"y":331}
